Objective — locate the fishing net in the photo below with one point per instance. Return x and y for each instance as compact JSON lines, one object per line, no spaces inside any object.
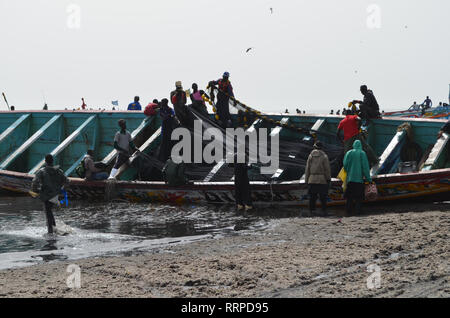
{"x":293,"y":154}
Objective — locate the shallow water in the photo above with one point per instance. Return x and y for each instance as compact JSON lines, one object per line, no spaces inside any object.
{"x":115,"y":228}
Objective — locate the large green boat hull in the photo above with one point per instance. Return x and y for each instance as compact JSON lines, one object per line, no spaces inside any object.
{"x":26,"y":137}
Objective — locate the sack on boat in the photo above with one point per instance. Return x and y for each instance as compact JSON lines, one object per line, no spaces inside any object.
{"x":370,"y":192}
{"x":174,"y":174}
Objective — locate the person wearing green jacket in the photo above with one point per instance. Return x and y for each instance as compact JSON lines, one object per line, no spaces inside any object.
{"x":356,"y":165}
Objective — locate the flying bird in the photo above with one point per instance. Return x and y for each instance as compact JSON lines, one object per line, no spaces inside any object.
{"x":248,"y":50}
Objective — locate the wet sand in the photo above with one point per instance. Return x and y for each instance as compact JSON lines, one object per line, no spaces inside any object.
{"x":296,"y":257}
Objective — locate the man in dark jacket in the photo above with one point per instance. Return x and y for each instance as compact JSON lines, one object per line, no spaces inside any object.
{"x":179,"y":100}
{"x":48,"y":182}
{"x":223,"y":99}
{"x":369,"y":107}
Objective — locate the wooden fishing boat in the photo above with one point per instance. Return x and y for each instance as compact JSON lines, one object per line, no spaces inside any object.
{"x":440,"y":112}
{"x":27,"y":136}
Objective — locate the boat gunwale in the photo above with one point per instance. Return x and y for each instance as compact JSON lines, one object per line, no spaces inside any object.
{"x":140,"y":112}
{"x":199,"y":185}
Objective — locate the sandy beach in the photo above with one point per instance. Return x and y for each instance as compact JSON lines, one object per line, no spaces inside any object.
{"x":296,"y":257}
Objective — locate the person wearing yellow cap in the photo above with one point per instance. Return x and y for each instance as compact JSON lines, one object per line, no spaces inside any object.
{"x":178,"y":99}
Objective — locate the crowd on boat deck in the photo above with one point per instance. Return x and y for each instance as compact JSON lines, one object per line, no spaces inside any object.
{"x":358,"y":157}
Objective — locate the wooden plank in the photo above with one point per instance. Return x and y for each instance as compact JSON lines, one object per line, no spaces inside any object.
{"x":65,"y":143}
{"x":142,"y":148}
{"x":391,"y":155}
{"x":110,"y":157}
{"x":222,"y":163}
{"x":273,"y":133}
{"x":11,"y":128}
{"x":436,"y":153}
{"x":29,"y":142}
{"x":315,"y":128}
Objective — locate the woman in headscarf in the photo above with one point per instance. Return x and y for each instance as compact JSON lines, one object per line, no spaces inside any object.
{"x":356,"y":165}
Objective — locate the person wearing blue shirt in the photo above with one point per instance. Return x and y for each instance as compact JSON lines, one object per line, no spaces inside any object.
{"x":135,"y":105}
{"x":427,"y":102}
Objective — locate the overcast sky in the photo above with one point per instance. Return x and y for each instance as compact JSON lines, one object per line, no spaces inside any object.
{"x":311,"y":55}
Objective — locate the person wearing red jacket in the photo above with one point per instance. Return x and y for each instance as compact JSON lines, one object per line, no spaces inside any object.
{"x":350,"y":126}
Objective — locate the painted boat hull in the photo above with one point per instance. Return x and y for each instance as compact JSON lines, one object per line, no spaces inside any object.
{"x":442,"y":112}
{"x":291,"y":193}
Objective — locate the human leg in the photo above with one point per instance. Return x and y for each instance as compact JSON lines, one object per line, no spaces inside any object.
{"x":49,"y":216}
{"x":323,"y":202}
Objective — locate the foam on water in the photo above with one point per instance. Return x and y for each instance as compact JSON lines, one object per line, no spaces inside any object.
{"x":111,"y":229}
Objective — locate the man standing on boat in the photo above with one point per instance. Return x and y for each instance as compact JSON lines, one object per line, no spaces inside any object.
{"x":369,"y":107}
{"x":168,"y":123}
{"x":197,"y":101}
{"x":47,"y":184}
{"x":350,"y":126}
{"x":223,"y":99}
{"x":179,"y":100}
{"x":135,"y":105}
{"x":124,"y":145}
{"x":427,"y":103}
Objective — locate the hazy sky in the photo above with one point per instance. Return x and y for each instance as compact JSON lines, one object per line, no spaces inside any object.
{"x":311,"y":55}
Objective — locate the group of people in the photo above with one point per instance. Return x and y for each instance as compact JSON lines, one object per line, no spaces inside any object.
{"x":427,"y":104}
{"x":358,"y":158}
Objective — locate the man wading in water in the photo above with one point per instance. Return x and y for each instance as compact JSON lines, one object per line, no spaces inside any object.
{"x":47,"y":183}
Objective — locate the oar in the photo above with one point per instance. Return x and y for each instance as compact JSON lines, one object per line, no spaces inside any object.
{"x":7,"y":104}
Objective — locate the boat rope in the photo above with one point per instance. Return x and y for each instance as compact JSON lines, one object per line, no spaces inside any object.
{"x":249,"y":110}
{"x":257,"y":114}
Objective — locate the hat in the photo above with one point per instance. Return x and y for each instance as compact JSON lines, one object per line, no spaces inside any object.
{"x":178,"y":84}
{"x":226,"y":74}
